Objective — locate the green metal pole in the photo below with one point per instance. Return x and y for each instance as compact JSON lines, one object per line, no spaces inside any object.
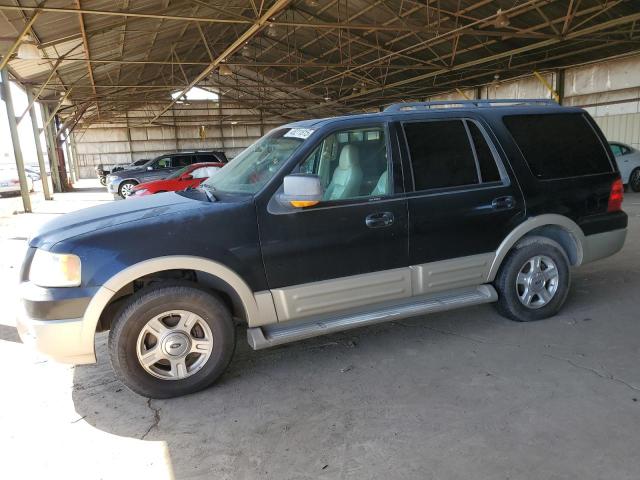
{"x":51,"y":152}
{"x":17,"y":151}
{"x":36,"y":137}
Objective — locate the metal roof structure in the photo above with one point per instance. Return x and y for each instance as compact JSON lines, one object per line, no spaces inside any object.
{"x":293,"y":59}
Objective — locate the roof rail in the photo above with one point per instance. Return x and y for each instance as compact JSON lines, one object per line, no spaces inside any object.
{"x":412,"y":106}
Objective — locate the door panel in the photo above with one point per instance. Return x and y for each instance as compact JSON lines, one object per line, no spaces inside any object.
{"x":336,"y":238}
{"x":468,"y":213}
{"x":327,"y":296}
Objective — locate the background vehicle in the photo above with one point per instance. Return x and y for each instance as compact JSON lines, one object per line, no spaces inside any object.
{"x":628,"y":160}
{"x":102,"y":173}
{"x":9,"y":182}
{"x":121,"y":183}
{"x":325,"y":225}
{"x":190,"y":176}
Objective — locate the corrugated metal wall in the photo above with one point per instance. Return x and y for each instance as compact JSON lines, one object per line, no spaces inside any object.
{"x":121,"y":144}
{"x":609,"y":91}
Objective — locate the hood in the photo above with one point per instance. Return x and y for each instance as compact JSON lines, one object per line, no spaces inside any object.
{"x":128,"y":172}
{"x":155,"y":184}
{"x":111,"y":214}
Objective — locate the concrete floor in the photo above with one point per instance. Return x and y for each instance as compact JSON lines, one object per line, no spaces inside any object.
{"x":461,"y":395}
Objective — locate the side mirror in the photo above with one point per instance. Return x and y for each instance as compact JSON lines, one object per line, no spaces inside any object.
{"x":187,"y":177}
{"x":301,"y":190}
{"x":149,"y":168}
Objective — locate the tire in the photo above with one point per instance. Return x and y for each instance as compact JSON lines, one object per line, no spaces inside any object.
{"x":124,"y":190}
{"x":544,"y":294}
{"x":135,"y":326}
{"x":103,"y":181}
{"x":634,"y":180}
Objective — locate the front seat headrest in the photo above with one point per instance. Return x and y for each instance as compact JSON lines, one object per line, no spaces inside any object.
{"x":348,"y":157}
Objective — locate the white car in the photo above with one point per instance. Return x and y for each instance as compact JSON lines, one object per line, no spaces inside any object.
{"x":628,"y":159}
{"x":9,"y":182}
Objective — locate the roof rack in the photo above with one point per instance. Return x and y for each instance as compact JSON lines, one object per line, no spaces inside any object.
{"x":412,"y":106}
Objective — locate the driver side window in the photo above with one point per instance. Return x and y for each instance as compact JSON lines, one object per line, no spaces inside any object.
{"x":351,"y":164}
{"x":164,"y":162}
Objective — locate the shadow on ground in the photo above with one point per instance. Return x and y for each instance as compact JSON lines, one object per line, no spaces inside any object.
{"x":8,"y":333}
{"x":455,"y":395}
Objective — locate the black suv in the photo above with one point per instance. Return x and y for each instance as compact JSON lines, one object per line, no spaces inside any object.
{"x":325,"y":225}
{"x":120,"y":183}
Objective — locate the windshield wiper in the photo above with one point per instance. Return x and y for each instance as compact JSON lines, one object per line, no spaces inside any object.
{"x":208,"y":190}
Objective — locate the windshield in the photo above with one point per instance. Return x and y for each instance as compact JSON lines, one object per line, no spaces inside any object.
{"x":257,"y":164}
{"x":179,"y":172}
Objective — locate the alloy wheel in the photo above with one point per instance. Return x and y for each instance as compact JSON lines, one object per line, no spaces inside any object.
{"x":537,"y":281}
{"x":126,"y":189}
{"x":174,"y":345}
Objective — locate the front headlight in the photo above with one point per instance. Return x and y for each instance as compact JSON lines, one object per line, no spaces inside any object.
{"x":55,"y":269}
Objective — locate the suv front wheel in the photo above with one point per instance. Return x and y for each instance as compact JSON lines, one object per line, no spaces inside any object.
{"x":126,"y":188}
{"x":171,"y":340}
{"x":533,"y":281}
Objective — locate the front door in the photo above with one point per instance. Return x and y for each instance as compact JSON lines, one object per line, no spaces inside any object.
{"x":351,"y":249}
{"x":463,"y":202}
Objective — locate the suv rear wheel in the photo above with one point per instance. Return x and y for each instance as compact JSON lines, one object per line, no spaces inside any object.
{"x":533,"y":281}
{"x":171,"y":340}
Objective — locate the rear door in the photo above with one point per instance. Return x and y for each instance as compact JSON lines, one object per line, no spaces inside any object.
{"x":463,"y":201}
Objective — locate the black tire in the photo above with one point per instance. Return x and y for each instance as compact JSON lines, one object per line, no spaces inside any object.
{"x":152,"y":301}
{"x":103,"y":181}
{"x":122,"y":185}
{"x":509,"y":304}
{"x":634,"y":180}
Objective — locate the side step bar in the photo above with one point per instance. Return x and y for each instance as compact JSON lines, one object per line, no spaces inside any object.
{"x":278,"y":334}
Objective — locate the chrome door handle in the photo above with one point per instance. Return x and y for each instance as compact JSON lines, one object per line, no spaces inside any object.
{"x":380,"y":219}
{"x":502,"y":203}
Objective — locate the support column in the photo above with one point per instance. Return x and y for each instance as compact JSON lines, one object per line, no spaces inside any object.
{"x":17,"y":151}
{"x":36,"y":137}
{"x":261,"y":124}
{"x":220,"y":124}
{"x":74,"y":152}
{"x":70,"y":160}
{"x":126,"y":116}
{"x":560,"y":85}
{"x":51,"y":152}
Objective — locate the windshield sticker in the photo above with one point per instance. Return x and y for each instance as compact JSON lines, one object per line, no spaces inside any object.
{"x":302,"y":133}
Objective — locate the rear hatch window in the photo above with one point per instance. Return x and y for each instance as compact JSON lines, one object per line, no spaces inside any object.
{"x":559,"y":145}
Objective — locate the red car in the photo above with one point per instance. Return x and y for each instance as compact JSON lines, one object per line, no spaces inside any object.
{"x":189,"y":176}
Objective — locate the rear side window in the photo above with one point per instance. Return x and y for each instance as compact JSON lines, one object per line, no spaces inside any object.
{"x":559,"y":145}
{"x":487,"y":164}
{"x":182,"y":160}
{"x":441,"y":155}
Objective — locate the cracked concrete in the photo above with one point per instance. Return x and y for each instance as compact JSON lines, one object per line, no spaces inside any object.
{"x":457,"y":395}
{"x":156,"y":419}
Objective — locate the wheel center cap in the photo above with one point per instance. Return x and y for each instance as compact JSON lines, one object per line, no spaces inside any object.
{"x":176,"y":344}
{"x":537,"y":282}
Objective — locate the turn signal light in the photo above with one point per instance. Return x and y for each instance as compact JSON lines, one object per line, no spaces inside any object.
{"x":616,"y":196}
{"x":304,"y":203}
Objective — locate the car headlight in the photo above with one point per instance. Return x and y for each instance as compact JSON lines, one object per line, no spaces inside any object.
{"x":55,"y":269}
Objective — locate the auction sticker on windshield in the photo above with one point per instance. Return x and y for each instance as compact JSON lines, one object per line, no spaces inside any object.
{"x":302,"y":133}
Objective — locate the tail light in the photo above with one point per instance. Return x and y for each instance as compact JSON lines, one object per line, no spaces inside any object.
{"x":14,"y":181}
{"x":616,"y":196}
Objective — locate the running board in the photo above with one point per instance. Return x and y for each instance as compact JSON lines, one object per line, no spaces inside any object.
{"x":278,"y":334}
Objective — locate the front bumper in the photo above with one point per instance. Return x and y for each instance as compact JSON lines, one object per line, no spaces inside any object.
{"x":113,"y":185}
{"x":54,"y":321}
{"x":61,"y":340}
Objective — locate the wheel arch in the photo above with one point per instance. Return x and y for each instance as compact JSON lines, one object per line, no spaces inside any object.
{"x":209,"y":273}
{"x":558,"y":228}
